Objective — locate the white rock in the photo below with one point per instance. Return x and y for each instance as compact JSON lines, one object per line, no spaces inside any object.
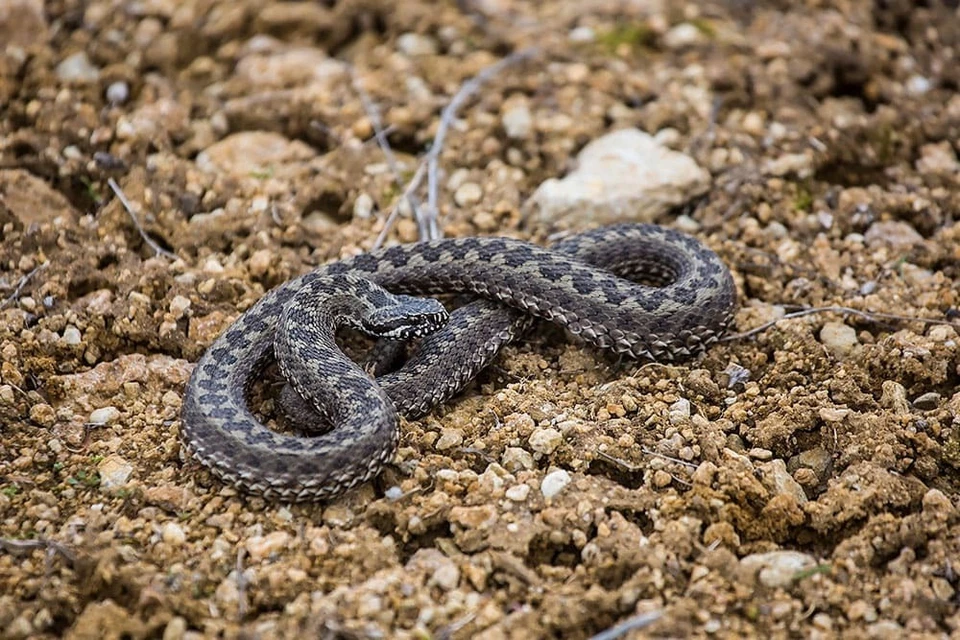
{"x":623,"y":176}
{"x":259,"y":547}
{"x":679,"y":411}
{"x":173,"y":534}
{"x":838,"y":338}
{"x":468,"y":194}
{"x":449,"y":439}
{"x":545,"y":441}
{"x":77,"y":68}
{"x":918,"y":85}
{"x":777,"y":568}
{"x":291,"y":67}
{"x":779,"y":481}
{"x":179,"y":306}
{"x":518,"y":492}
{"x":516,"y":459}
{"x":897,"y":234}
{"x":683,"y":35}
{"x":118,"y":92}
{"x":114,"y":472}
{"x":414,"y":44}
{"x":103,"y":415}
{"x":71,"y":335}
{"x":363,"y":206}
{"x":582,"y":34}
{"x":554,"y":482}
{"x":518,"y":121}
{"x":446,"y":576}
{"x":798,"y":164}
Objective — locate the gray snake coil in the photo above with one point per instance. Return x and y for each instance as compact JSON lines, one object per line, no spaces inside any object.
{"x":588,"y":284}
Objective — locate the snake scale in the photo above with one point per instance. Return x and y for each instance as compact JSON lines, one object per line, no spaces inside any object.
{"x":640,"y":290}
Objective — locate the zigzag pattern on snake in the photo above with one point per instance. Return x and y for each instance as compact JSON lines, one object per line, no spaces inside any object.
{"x":685,"y":302}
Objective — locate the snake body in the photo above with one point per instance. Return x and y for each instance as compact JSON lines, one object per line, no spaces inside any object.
{"x":640,"y":290}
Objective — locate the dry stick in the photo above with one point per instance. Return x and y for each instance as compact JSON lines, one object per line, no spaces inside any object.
{"x":22,"y":547}
{"x":429,"y":228}
{"x":806,"y":311}
{"x":20,"y":285}
{"x":160,"y":251}
{"x":395,"y":210}
{"x":636,"y":622}
{"x":373,"y":113}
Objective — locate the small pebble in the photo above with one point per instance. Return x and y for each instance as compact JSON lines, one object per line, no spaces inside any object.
{"x":838,"y":338}
{"x":518,"y":492}
{"x":661,"y":479}
{"x":516,"y":459}
{"x":928,"y":401}
{"x":173,"y":534}
{"x":103,"y":415}
{"x":683,"y":35}
{"x":179,"y":306}
{"x":679,"y":411}
{"x":554,"y":482}
{"x":118,"y":92}
{"x":446,"y":576}
{"x":176,"y":628}
{"x":468,"y":194}
{"x":545,"y":441}
{"x":518,"y":122}
{"x":363,"y":207}
{"x":449,"y":439}
{"x":114,"y":472}
{"x":777,"y":568}
{"x":77,"y":68}
{"x":43,"y":414}
{"x":582,"y":34}
{"x":259,"y":547}
{"x":71,"y":335}
{"x":414,"y":44}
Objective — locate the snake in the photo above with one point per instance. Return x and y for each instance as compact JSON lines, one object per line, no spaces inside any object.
{"x":640,"y":290}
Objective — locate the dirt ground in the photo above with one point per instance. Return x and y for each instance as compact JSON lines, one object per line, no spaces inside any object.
{"x":802,"y":481}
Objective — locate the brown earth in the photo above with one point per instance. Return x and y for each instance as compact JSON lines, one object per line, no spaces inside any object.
{"x":800,"y":482}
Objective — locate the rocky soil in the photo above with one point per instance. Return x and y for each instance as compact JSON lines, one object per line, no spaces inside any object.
{"x":801,"y":481}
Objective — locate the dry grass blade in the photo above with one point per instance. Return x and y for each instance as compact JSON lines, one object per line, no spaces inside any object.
{"x":160,"y":251}
{"x":20,"y":285}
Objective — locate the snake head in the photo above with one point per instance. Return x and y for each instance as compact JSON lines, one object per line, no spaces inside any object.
{"x":409,"y":318}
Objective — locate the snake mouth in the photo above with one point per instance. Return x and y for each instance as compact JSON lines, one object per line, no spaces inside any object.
{"x":408,"y":327}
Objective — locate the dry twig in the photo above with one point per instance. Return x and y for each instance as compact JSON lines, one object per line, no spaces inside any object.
{"x":160,"y":251}
{"x":20,"y":285}
{"x":22,"y":547}
{"x":872,"y":316}
{"x":380,"y":134}
{"x":430,"y":230}
{"x":636,"y":622}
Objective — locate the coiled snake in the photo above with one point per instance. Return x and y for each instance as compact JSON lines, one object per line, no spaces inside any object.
{"x":684,"y":304}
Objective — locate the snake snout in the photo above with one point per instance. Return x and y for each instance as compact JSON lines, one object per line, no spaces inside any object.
{"x":409,"y":318}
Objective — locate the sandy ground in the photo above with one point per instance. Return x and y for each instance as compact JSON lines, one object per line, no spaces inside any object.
{"x":799,"y":482}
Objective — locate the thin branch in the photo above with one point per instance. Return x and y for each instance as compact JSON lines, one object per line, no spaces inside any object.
{"x":636,"y":622}
{"x":872,"y":316}
{"x":395,"y":210}
{"x":22,"y":547}
{"x":429,"y":228}
{"x":20,"y":285}
{"x":380,"y":134}
{"x":160,"y":251}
